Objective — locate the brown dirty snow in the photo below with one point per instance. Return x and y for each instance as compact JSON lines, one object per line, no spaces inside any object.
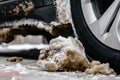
{"x":14,"y":59}
{"x":65,"y":54}
{"x":97,"y":68}
{"x":8,"y":34}
{"x":25,"y":7}
{"x":63,"y":26}
{"x":68,"y":54}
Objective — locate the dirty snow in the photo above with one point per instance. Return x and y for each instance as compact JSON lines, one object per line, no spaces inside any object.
{"x":64,"y":13}
{"x":63,"y":54}
{"x":68,"y":54}
{"x":32,"y":72}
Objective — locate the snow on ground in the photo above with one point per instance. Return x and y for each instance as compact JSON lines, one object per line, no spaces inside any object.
{"x":23,"y":71}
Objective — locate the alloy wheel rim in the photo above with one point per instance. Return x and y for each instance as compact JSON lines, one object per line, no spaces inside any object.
{"x":106,"y":28}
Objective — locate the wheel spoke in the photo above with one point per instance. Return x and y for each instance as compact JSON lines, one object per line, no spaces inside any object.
{"x":100,"y":26}
{"x":107,"y":28}
{"x":113,"y":37}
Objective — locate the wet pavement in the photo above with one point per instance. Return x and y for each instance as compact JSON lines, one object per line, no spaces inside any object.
{"x":28,"y":70}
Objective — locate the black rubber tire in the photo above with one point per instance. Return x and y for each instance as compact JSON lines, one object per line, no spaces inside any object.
{"x":94,"y":48}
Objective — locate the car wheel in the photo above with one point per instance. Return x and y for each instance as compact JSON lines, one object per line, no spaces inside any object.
{"x":97,"y":23}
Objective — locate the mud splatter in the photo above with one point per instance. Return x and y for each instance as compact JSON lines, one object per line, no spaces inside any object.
{"x":22,"y":8}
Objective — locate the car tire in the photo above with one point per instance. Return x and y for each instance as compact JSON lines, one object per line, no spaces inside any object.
{"x":94,"y":48}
